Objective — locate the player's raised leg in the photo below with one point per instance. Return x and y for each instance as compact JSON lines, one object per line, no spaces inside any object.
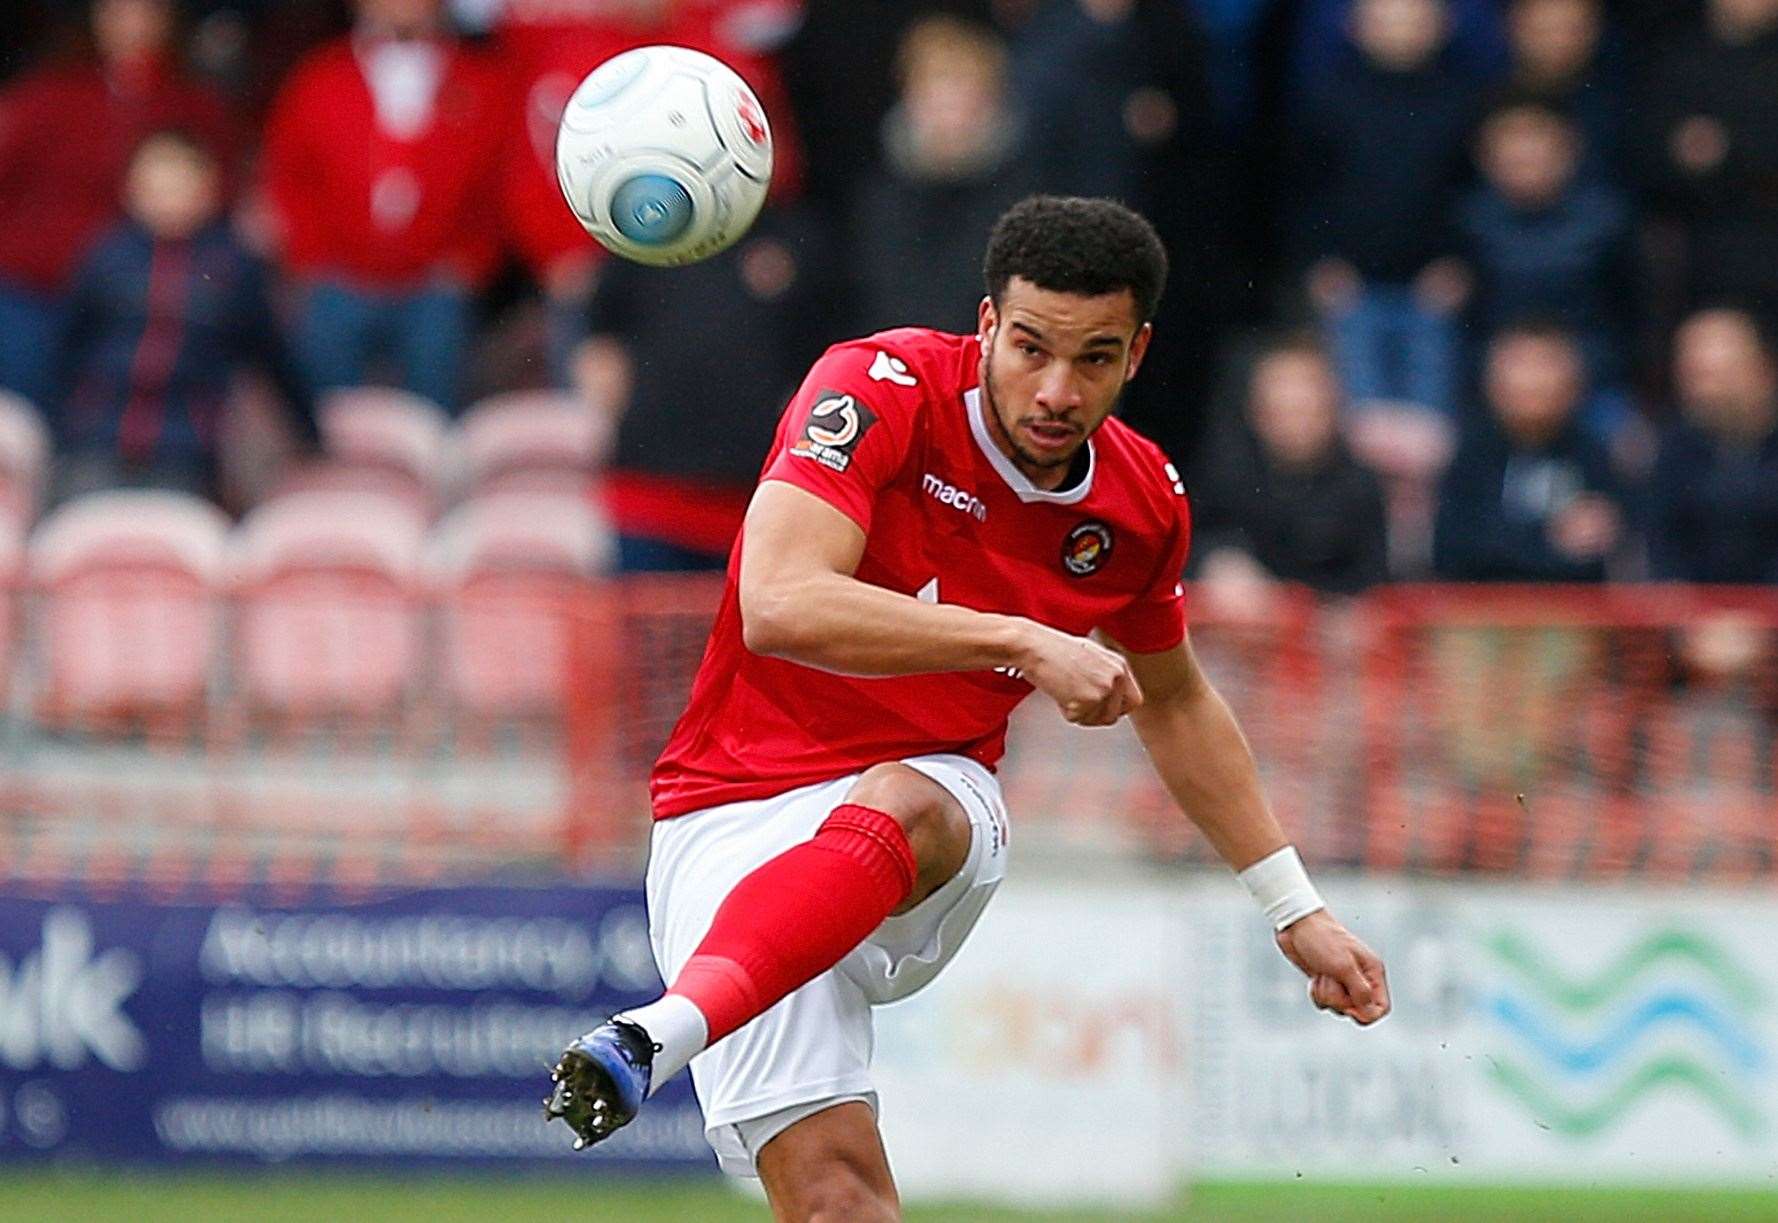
{"x":830,"y":1167}
{"x":897,"y":838}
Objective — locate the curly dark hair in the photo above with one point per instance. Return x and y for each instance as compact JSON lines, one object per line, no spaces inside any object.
{"x":1067,"y":244}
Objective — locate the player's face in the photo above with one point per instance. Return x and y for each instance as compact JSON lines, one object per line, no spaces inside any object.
{"x":1053,"y":365}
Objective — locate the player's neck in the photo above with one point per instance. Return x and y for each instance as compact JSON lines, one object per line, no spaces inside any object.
{"x":1072,"y":475}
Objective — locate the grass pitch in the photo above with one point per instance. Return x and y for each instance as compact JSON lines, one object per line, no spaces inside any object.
{"x":87,"y":1193}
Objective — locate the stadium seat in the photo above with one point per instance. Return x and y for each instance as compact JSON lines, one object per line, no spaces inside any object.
{"x":24,"y":454}
{"x":410,"y":494}
{"x":507,"y":569}
{"x":330,"y":621}
{"x":530,"y":440}
{"x":129,"y":582}
{"x":386,"y":428}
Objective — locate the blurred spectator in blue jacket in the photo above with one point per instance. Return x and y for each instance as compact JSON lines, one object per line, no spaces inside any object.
{"x":1541,"y":241}
{"x":1715,"y":488}
{"x":1560,"y":55}
{"x":1380,"y":154}
{"x":67,"y":129}
{"x":1233,"y":30}
{"x":165,"y":311}
{"x":1278,"y":496}
{"x":1118,"y":92}
{"x":1320,"y":32}
{"x":1530,"y":495}
{"x":1709,"y":149}
{"x":951,"y":165}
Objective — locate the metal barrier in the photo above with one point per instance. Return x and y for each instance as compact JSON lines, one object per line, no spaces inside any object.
{"x":1578,"y":732}
{"x":382,"y":735}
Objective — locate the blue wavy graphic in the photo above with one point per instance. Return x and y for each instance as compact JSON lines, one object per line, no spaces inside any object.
{"x":1672,"y":1007}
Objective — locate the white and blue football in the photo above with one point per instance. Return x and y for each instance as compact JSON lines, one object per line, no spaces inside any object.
{"x":664,"y":154}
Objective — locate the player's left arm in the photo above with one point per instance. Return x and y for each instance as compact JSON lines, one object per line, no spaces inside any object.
{"x":1203,"y":759}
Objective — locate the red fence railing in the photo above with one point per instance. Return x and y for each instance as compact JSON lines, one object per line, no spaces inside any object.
{"x":175,"y":733}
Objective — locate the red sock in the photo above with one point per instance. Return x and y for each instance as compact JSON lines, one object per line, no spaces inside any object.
{"x":795,"y":917}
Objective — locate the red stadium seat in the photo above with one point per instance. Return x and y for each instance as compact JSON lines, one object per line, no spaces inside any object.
{"x":398,"y":486}
{"x":24,"y":454}
{"x":130,"y":610}
{"x":507,"y":568}
{"x":330,"y":621}
{"x":387,"y":428}
{"x":531,"y":440}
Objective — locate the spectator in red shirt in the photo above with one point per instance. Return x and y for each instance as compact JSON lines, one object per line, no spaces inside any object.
{"x":66,"y":134}
{"x":382,"y":168}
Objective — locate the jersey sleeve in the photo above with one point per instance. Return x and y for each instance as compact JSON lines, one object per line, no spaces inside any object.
{"x":845,"y":434}
{"x":1155,"y":619}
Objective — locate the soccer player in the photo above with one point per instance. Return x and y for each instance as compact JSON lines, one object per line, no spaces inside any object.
{"x":945,"y":524}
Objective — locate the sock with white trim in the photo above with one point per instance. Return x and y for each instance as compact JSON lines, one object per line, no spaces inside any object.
{"x":677,"y":1028}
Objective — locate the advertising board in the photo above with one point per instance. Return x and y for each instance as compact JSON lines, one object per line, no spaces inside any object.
{"x":415,"y":1028}
{"x":1540,"y":1033}
{"x":1047,"y":1063}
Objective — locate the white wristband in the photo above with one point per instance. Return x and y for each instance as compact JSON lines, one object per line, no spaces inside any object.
{"x":1281,"y":886}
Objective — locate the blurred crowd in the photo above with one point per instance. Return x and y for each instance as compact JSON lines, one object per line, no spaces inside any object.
{"x":1477,"y":290}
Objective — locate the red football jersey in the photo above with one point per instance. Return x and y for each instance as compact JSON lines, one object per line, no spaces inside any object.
{"x":890,"y":430}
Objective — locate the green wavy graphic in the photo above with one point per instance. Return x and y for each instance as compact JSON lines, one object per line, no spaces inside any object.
{"x":1583,"y":1121}
{"x":1615,"y":978}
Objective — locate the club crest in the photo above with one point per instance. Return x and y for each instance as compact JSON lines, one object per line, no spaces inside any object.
{"x":1086,"y":548}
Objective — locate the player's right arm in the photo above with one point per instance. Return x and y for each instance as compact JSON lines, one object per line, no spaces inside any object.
{"x":801,"y":601}
{"x":845,"y":436}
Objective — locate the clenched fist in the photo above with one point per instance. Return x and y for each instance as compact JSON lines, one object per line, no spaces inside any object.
{"x":1345,"y":976}
{"x":1091,"y":685}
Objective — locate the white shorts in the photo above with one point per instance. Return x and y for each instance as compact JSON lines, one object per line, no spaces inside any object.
{"x":812,"y":1049}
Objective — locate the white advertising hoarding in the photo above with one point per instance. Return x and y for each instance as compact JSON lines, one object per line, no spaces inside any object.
{"x":1048,"y":1061}
{"x":1571,"y":1033}
{"x":1104,"y":1041}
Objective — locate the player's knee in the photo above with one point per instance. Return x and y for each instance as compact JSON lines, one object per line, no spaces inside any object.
{"x":839,"y":1193}
{"x":936,"y":828}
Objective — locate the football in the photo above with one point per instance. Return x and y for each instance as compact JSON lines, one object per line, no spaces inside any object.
{"x":664,"y":154}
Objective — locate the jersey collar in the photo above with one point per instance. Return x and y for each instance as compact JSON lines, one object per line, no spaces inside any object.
{"x":1015,"y":479}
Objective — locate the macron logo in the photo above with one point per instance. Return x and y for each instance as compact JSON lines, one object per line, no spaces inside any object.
{"x":885,"y":368}
{"x":956,"y":498}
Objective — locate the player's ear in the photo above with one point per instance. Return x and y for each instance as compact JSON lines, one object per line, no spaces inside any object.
{"x":985,"y":319}
{"x":1138,"y":349}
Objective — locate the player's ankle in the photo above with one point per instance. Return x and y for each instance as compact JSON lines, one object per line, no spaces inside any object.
{"x":677,"y":1029}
